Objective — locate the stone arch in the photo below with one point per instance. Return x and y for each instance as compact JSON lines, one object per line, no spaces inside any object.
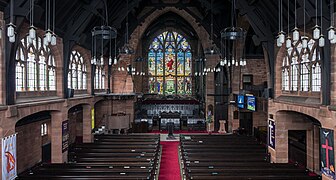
{"x":22,"y":114}
{"x":288,"y":122}
{"x":78,"y":104}
{"x":313,"y":112}
{"x":34,"y":132}
{"x":200,"y":30}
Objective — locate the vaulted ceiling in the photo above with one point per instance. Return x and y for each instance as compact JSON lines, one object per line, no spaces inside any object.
{"x":76,"y":18}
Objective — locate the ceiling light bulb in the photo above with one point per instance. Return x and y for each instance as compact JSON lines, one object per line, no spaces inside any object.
{"x":281,"y":37}
{"x":48,"y":36}
{"x":316,"y":32}
{"x":110,"y":61}
{"x":321,"y":41}
{"x":288,"y":42}
{"x":12,"y":39}
{"x":10,"y":30}
{"x":32,"y":32}
{"x":331,"y":33}
{"x":115,"y":61}
{"x":279,"y":44}
{"x":304,"y":40}
{"x":296,"y":34}
{"x":53,"y":39}
{"x":101,"y":60}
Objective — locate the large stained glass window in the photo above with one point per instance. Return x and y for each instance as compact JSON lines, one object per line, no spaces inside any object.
{"x":169,"y":65}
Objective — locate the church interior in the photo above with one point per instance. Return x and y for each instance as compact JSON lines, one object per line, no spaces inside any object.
{"x":167,"y":89}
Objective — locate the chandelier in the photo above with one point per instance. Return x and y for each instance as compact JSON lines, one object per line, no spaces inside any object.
{"x":212,"y":49}
{"x":233,"y":42}
{"x":102,"y":35}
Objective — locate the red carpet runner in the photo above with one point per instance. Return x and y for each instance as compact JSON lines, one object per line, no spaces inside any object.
{"x":169,"y":167}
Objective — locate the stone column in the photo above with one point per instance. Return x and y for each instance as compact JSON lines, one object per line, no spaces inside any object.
{"x":87,"y":134}
{"x":56,"y":137}
{"x":313,"y":151}
{"x":210,"y":86}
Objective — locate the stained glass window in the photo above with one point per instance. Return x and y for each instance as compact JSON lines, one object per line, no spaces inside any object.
{"x":35,"y":66}
{"x":170,"y":64}
{"x":301,"y":68}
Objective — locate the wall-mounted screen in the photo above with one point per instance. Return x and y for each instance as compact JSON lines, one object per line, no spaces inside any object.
{"x":240,"y":101}
{"x":251,"y":103}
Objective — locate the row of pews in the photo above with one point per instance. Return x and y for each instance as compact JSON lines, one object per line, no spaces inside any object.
{"x":232,"y":157}
{"x":108,"y":157}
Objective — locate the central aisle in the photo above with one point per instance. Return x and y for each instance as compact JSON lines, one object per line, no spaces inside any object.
{"x":169,"y":166}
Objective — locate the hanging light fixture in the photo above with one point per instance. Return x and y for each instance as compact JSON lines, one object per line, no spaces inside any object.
{"x":234,"y":41}
{"x":331,"y":29}
{"x":53,"y":36}
{"x":212,"y":49}
{"x":281,"y":34}
{"x":321,"y":39}
{"x":316,"y":28}
{"x":126,"y":49}
{"x":304,"y":38}
{"x":11,"y":26}
{"x":101,"y":35}
{"x":288,"y":39}
{"x":296,"y":34}
{"x":32,"y":29}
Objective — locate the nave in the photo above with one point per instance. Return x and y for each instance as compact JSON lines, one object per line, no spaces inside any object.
{"x":90,"y":89}
{"x":194,"y":156}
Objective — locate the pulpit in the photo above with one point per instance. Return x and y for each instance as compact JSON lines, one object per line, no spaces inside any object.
{"x":222,"y":126}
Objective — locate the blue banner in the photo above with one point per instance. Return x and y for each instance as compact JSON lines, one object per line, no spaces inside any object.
{"x":271,"y":134}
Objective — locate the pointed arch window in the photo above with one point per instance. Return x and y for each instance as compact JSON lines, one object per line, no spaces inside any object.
{"x":77,"y":71}
{"x":170,"y":64}
{"x":301,"y":68}
{"x":33,"y":71}
{"x":99,"y":77}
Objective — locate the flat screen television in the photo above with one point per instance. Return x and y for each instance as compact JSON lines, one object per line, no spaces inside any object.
{"x":240,"y":101}
{"x":251,"y":103}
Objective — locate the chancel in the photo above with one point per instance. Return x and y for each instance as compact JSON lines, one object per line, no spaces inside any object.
{"x":167,"y":89}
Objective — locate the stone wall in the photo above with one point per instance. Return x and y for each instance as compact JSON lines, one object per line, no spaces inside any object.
{"x":29,"y":144}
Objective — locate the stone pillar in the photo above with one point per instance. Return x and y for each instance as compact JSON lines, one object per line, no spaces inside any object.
{"x":210,"y":87}
{"x":87,"y":134}
{"x":232,"y":122}
{"x":313,"y":151}
{"x":56,"y":137}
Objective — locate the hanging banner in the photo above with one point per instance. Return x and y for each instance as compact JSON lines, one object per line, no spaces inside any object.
{"x":65,"y":135}
{"x":9,"y":168}
{"x":92,"y":118}
{"x":271,"y":133}
{"x":327,"y":152}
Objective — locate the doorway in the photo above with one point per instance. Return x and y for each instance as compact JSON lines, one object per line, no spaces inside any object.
{"x":46,"y":153}
{"x":246,"y":122}
{"x":297,"y":152}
